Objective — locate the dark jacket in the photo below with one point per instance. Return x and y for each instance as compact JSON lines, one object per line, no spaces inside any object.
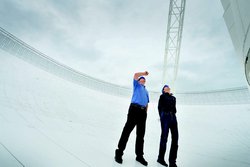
{"x":167,"y":103}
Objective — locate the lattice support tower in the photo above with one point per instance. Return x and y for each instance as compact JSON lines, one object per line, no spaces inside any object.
{"x":173,"y":41}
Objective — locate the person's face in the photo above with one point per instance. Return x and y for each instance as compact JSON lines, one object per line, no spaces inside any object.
{"x":166,"y":90}
{"x":142,"y":81}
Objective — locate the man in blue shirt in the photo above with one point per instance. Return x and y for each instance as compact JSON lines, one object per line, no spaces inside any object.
{"x":137,"y":115}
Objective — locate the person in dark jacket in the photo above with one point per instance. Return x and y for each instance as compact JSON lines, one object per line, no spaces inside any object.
{"x":167,"y":111}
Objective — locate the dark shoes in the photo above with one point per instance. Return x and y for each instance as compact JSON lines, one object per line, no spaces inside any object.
{"x":142,"y":161}
{"x":172,"y":165}
{"x":162,"y":162}
{"x":118,"y":156}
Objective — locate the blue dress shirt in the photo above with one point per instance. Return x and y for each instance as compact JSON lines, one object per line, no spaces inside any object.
{"x":140,"y":94}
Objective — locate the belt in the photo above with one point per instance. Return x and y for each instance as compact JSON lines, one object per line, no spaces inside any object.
{"x":138,"y":106}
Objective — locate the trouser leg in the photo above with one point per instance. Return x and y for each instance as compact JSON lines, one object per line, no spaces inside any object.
{"x":164,"y":136}
{"x":174,"y":144}
{"x":140,"y":132}
{"x":129,"y":126}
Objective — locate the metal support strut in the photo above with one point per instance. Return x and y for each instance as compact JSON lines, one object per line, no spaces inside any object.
{"x":173,"y":41}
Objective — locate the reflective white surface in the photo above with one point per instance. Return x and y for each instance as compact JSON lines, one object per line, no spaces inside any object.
{"x":49,"y":122}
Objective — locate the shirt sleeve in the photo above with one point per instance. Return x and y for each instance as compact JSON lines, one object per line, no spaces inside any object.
{"x":175,"y":105}
{"x":148,"y":97}
{"x":160,"y":104}
{"x":135,"y":83}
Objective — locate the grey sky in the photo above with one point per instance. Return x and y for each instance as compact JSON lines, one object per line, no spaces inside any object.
{"x":111,"y":40}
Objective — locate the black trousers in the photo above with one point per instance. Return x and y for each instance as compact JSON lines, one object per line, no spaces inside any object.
{"x":169,"y":122}
{"x":136,"y":117}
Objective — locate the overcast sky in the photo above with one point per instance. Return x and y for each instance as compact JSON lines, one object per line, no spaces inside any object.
{"x":112,"y":39}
